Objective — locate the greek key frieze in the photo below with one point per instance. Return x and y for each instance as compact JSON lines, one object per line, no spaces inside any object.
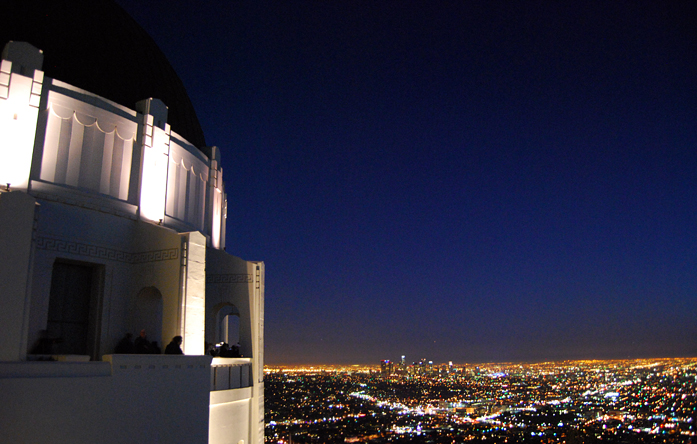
{"x":99,"y":252}
{"x":229,"y":278}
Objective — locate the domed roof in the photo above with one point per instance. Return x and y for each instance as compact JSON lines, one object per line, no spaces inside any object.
{"x":95,"y":45}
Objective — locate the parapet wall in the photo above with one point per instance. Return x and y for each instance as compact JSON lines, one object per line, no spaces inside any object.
{"x":125,"y":398}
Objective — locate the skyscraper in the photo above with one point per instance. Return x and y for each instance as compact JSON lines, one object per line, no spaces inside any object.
{"x":386,"y":368}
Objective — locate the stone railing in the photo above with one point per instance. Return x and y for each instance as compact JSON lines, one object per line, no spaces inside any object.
{"x":231,"y":373}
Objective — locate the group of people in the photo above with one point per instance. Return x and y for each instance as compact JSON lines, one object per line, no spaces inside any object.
{"x":143,"y":346}
{"x":224,"y":350}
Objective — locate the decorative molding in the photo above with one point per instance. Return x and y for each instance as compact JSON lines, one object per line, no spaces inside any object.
{"x":83,"y":203}
{"x":241,"y":278}
{"x":95,"y":251}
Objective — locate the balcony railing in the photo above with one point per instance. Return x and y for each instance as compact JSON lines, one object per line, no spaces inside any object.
{"x":231,"y":373}
{"x":225,"y":373}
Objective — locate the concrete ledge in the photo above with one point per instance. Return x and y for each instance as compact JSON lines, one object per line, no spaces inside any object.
{"x":71,"y":358}
{"x":220,"y":362}
{"x":90,"y":200}
{"x":54,"y":369}
{"x":121,"y":363}
{"x":111,"y":364}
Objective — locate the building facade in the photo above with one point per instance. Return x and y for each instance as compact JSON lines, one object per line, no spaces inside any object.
{"x":112,"y":223}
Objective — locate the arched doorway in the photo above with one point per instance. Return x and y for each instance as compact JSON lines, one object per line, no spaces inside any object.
{"x":231,"y":329}
{"x":228,"y":324}
{"x":147,"y":314}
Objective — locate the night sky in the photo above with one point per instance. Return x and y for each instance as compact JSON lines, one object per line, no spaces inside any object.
{"x":453,"y":180}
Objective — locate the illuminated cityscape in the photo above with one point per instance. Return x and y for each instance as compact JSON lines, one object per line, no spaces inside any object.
{"x":627,"y":401}
{"x":466,"y":198}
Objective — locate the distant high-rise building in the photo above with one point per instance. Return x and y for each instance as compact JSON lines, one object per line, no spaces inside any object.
{"x":402,"y":370}
{"x":386,"y":368}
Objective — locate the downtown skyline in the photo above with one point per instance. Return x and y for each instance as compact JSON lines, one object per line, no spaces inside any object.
{"x":473,"y":182}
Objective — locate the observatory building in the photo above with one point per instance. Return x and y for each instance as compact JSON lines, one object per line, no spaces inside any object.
{"x":112,"y":222}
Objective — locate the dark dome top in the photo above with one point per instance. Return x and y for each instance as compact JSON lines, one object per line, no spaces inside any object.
{"x":95,"y":45}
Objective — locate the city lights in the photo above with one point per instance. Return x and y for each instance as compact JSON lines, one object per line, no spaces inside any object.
{"x":612,"y":401}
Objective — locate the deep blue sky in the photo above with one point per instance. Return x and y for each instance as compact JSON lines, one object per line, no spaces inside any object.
{"x":454,"y":180}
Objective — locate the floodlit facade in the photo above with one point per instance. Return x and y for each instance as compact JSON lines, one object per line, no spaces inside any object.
{"x":112,"y":223}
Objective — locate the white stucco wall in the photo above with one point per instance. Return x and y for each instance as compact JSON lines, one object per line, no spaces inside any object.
{"x":233,"y":280}
{"x":135,"y":255}
{"x":230,"y":423}
{"x":16,"y":222}
{"x":133,"y":398}
{"x":194,"y":297}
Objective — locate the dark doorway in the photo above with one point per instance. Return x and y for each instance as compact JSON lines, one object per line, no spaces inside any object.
{"x":73,"y":308}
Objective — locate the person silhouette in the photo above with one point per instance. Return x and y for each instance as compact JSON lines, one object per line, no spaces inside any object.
{"x":174,"y":347}
{"x":141,"y":344}
{"x":125,"y":345}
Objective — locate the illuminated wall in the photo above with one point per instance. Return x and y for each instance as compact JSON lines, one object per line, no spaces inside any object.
{"x":153,"y":186}
{"x":194,"y":296}
{"x":186,"y":186}
{"x":102,"y":148}
{"x":217,"y":201}
{"x":19,"y":108}
{"x":87,"y":147}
